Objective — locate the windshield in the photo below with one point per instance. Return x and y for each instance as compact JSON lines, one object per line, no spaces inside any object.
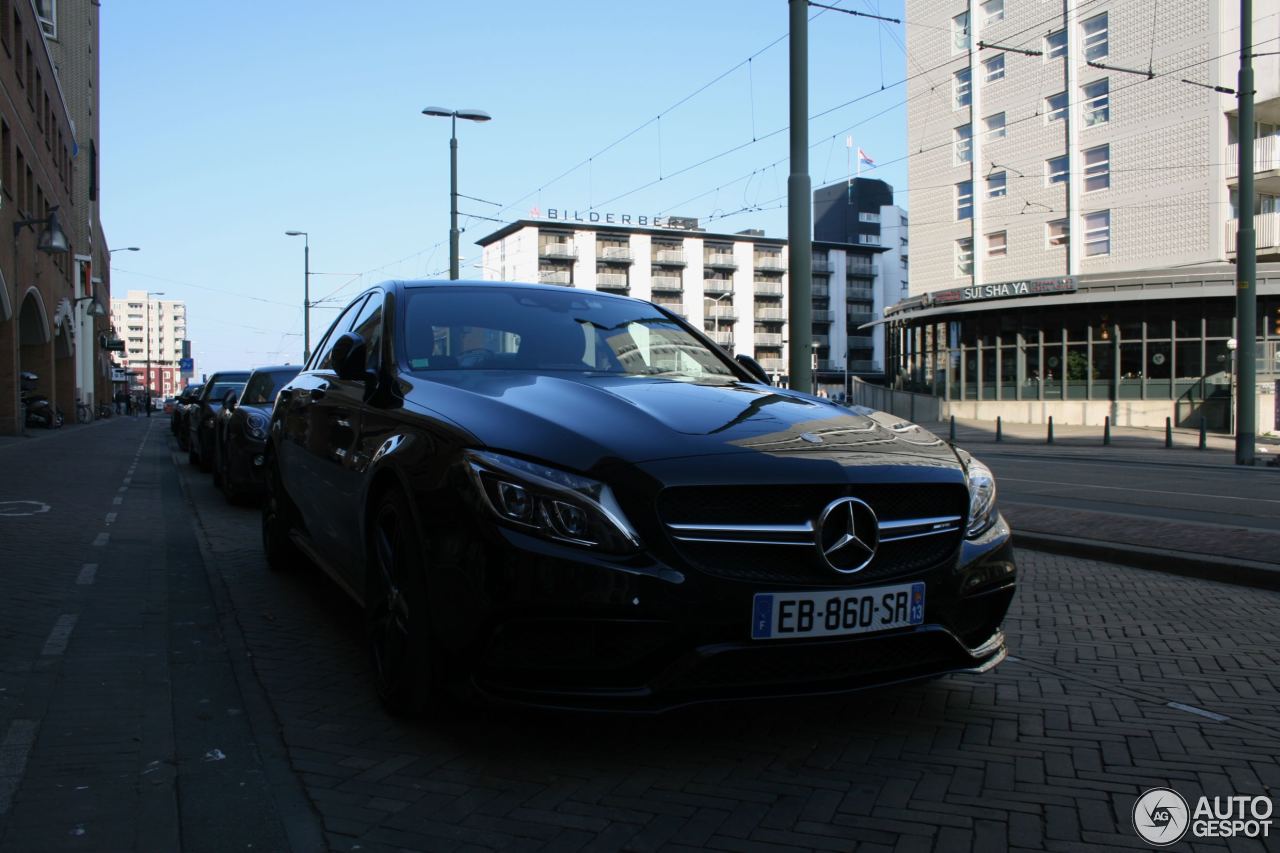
{"x":218,"y":390}
{"x":544,"y":331}
{"x":264,"y":385}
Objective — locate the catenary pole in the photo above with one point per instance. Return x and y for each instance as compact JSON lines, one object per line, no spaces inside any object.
{"x":799,"y":214}
{"x":1246,"y":256}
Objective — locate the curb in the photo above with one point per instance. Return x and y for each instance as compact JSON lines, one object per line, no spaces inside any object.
{"x":1239,"y":572}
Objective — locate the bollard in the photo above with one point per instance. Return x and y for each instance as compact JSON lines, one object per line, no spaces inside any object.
{"x":1050,"y":441}
{"x":1168,"y":432}
{"x":953,"y":429}
{"x":1106,"y":431}
{"x":1204,"y":437}
{"x":999,"y":429}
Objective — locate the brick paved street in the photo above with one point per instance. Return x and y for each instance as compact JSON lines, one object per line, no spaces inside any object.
{"x":1046,"y":752}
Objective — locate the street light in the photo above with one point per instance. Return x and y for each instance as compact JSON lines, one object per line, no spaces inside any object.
{"x":453,"y":116}
{"x":715,"y":314}
{"x":52,"y":240}
{"x":306,"y":292}
{"x":150,"y":293}
{"x":124,"y":249}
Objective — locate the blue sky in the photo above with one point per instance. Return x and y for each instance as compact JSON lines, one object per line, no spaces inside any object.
{"x":224,"y":125}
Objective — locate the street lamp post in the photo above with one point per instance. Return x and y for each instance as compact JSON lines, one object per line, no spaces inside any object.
{"x":306,"y":292}
{"x":150,"y":293}
{"x":453,"y":116}
{"x":124,"y":249}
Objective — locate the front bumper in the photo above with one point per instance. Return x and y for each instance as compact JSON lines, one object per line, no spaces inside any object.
{"x":554,"y":627}
{"x":245,"y":463}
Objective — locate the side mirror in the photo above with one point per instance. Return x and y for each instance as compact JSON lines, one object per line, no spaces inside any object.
{"x":753,"y":367}
{"x":349,"y":357}
{"x":229,"y":401}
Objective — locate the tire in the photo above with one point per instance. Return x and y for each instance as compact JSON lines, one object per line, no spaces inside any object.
{"x":278,"y":516}
{"x":406,"y":661}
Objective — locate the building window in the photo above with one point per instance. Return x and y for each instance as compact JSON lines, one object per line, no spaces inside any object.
{"x":997,"y":185}
{"x":963,"y":144}
{"x":995,"y":126}
{"x":1097,"y":102}
{"x":47,"y":14}
{"x":960,"y":32}
{"x":1055,"y":107}
{"x":992,"y":11}
{"x":962,"y":88}
{"x":1097,"y":233}
{"x":1095,"y":37}
{"x":964,"y":200}
{"x":1056,"y":232}
{"x":997,"y":245}
{"x":993,"y":68}
{"x":869,"y":217}
{"x":964,"y":256}
{"x":1055,"y":170}
{"x":1055,"y":44}
{"x":1097,"y":168}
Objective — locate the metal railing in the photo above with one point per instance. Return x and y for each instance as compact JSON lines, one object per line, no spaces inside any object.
{"x":821,"y":264}
{"x":770,"y":262}
{"x":723,"y":337}
{"x":820,"y":316}
{"x":611,"y":280}
{"x":620,"y":254}
{"x":717,"y":285}
{"x":721,"y":312}
{"x":669,"y":256}
{"x":1266,"y":156}
{"x":767,"y":288}
{"x":1266,"y":227}
{"x":771,"y":314}
{"x":558,"y":250}
{"x":667,"y":284}
{"x":720,"y":260}
{"x":820,"y":289}
{"x":768,"y":339}
{"x":553,"y":276}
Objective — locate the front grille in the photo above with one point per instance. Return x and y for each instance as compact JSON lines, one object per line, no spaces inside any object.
{"x":776,"y":563}
{"x":832,"y":662}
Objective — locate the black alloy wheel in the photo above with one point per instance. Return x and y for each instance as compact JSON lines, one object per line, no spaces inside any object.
{"x":278,"y":515}
{"x":405,"y":669}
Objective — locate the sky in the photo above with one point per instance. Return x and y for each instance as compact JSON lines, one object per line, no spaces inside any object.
{"x":225,"y":125}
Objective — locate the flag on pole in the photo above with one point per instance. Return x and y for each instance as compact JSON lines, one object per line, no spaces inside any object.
{"x":863,"y":157}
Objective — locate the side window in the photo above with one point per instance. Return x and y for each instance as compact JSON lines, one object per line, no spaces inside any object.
{"x":320,"y":358}
{"x":369,"y":326}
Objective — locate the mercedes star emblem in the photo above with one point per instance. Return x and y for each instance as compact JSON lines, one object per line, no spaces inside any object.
{"x":847,"y":535}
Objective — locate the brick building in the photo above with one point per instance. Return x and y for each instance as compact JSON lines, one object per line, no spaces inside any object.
{"x":38,"y":309}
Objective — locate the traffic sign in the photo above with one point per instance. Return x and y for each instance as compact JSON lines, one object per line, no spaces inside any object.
{"x":186,"y":364}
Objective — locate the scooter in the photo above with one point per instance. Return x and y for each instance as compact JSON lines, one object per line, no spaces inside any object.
{"x":40,"y":411}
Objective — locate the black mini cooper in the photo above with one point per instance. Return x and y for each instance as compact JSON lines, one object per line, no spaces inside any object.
{"x":564,"y":498}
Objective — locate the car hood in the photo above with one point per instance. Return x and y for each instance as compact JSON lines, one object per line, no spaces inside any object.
{"x":582,"y":419}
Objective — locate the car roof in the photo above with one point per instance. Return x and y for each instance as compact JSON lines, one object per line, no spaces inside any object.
{"x":422,"y":284}
{"x":279,"y":368}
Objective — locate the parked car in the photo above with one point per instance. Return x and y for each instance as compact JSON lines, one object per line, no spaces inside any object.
{"x":178,"y":423}
{"x":169,"y":404}
{"x":202,"y":414}
{"x":563,"y":498}
{"x":240,"y":432}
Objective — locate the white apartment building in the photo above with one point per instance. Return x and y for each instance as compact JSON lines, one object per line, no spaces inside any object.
{"x":161,"y":324}
{"x":1073,"y":207}
{"x":733,"y":286}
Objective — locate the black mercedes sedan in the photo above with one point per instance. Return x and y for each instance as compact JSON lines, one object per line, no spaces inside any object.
{"x":240,"y":432}
{"x":562,"y":498}
{"x":202,"y":414}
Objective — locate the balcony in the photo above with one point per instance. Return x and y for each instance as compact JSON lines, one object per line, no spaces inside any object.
{"x":830,"y":365}
{"x":675,"y":307}
{"x":771,"y":315}
{"x":1267,"y":228}
{"x":720,"y":261}
{"x":767,"y":288}
{"x":857,"y":318}
{"x":669,"y":257}
{"x":768,"y":339}
{"x":722,"y":337}
{"x":821,"y":316}
{"x":1266,"y":156}
{"x":860,"y":341}
{"x":717,"y":286}
{"x":821,"y":341}
{"x":553,"y":276}
{"x":859,"y":294}
{"x":865,"y":270}
{"x":772,"y":364}
{"x":771,"y":263}
{"x":614,"y":254}
{"x":820,"y":290}
{"x":861,"y":365}
{"x":821,"y":265}
{"x":611,"y":281}
{"x":557,"y":250}
{"x":667,"y":284}
{"x":722,"y":312}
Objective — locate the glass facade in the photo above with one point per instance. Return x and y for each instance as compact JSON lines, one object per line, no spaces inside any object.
{"x":1142,"y":350}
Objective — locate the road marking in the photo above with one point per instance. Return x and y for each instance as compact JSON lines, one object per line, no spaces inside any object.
{"x":60,"y":635}
{"x":127,"y":480}
{"x":87,"y":574}
{"x":117,"y":500}
{"x":123,"y":489}
{"x":13,"y":758}
{"x":101,"y":540}
{"x":1191,"y":709}
{"x":1145,"y":491}
{"x":18,"y":508}
{"x":111,"y":518}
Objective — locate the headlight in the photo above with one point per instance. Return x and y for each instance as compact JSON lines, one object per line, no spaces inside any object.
{"x":552,"y":503}
{"x":982,"y":497}
{"x":256,"y":426}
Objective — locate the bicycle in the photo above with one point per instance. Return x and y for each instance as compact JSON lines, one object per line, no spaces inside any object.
{"x":84,"y":414}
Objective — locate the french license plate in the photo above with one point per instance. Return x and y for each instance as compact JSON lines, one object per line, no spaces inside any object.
{"x":789,"y":615}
